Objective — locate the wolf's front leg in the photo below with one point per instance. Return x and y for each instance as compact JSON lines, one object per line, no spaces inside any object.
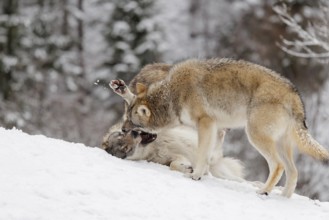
{"x":217,"y":152}
{"x":207,"y":135}
{"x":120,"y":88}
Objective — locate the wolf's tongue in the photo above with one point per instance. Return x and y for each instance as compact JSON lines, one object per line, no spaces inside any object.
{"x":148,"y":137}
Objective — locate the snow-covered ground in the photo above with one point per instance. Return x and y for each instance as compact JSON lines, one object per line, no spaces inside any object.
{"x":43,"y":178}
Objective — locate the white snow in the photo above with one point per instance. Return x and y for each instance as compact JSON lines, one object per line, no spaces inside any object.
{"x":120,"y":28}
{"x":44,"y":178}
{"x":9,"y":61}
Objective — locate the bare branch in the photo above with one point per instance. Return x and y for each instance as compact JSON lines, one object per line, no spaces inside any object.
{"x":311,"y":41}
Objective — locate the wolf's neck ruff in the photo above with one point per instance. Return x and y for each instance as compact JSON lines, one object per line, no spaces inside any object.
{"x":159,"y":99}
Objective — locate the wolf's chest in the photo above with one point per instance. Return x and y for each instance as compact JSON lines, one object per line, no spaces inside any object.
{"x":186,"y":119}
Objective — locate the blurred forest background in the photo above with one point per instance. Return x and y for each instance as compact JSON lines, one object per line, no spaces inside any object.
{"x":57,"y":57}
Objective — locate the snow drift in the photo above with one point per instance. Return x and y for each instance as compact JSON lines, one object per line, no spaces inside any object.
{"x":44,"y":178}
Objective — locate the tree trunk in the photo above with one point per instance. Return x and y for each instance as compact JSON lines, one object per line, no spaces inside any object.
{"x":81,"y":40}
{"x":10,"y":8}
{"x":65,"y":18}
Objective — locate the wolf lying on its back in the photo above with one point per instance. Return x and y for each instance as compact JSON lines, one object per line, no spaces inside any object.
{"x":175,"y":148}
{"x":221,"y":93}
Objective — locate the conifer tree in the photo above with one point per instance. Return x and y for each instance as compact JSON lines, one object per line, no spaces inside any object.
{"x":132,"y":37}
{"x":10,"y":28}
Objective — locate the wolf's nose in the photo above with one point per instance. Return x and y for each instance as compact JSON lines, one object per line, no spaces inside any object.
{"x":124,"y":130}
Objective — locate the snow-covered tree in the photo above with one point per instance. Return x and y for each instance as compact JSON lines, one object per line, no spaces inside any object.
{"x":40,"y":58}
{"x":132,"y":37}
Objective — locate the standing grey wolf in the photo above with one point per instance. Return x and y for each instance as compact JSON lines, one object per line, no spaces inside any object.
{"x":213,"y":94}
{"x":173,"y":147}
{"x":176,"y":148}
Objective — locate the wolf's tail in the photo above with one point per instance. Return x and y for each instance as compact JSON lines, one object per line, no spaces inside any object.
{"x":305,"y":142}
{"x":308,"y":145}
{"x":228,"y":168}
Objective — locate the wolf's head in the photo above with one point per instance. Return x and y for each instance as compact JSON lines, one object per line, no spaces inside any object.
{"x":143,"y":111}
{"x":138,"y":111}
{"x":123,"y":145}
{"x":120,"y":144}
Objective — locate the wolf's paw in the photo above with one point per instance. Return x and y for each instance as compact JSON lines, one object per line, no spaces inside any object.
{"x":287,"y":193}
{"x":194,"y":176}
{"x":187,"y":169}
{"x":118,"y":86}
{"x":262,"y":192}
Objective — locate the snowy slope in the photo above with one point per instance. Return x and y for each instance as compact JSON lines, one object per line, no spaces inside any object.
{"x":43,"y":178}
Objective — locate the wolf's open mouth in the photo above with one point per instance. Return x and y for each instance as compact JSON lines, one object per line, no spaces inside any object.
{"x":147,"y":137}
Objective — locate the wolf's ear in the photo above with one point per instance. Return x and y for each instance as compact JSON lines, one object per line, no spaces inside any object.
{"x":144,"y":110}
{"x":141,"y":89}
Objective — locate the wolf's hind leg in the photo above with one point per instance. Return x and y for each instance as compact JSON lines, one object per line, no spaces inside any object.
{"x":266,"y":146}
{"x":267,"y":123}
{"x":286,"y":154}
{"x":181,"y":164}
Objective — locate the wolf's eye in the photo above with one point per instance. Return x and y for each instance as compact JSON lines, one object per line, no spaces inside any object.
{"x":123,"y":146}
{"x":134,"y":133}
